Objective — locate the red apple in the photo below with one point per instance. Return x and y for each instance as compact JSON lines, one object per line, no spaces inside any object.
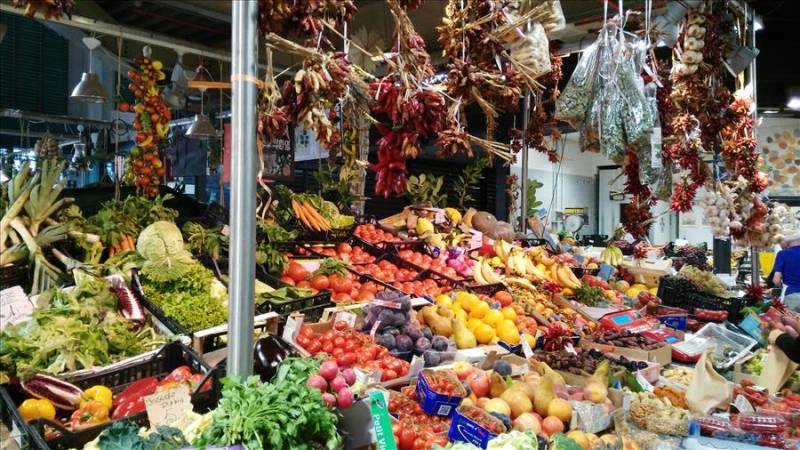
{"x":479,"y":384}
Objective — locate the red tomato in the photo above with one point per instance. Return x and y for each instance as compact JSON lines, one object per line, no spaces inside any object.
{"x":341,"y":284}
{"x":364,"y":295}
{"x":387,"y":375}
{"x":314,"y":346}
{"x":329,"y":335}
{"x":352,"y":345}
{"x":407,"y":438}
{"x":327,"y":347}
{"x":320,"y":282}
{"x":337,"y":351}
{"x":303,"y":341}
{"x":339,"y":341}
{"x":346,"y":359}
{"x":303,"y":284}
{"x":287,"y":280}
{"x":344,"y":247}
{"x":306,"y":330}
{"x":297,"y":272}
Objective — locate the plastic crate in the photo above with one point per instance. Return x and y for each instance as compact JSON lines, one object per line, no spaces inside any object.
{"x":205,"y":340}
{"x":676,"y":291}
{"x":170,"y":357}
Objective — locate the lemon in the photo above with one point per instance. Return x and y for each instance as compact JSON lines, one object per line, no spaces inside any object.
{"x":484,"y":333}
{"x":444,"y":300}
{"x":493,"y":317}
{"x":531,"y":340}
{"x":509,"y":313}
{"x":460,"y":314}
{"x":508,"y":332}
{"x":473,"y":323}
{"x":479,"y":309}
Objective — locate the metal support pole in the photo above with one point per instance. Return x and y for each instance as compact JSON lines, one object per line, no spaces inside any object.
{"x":241,"y":308}
{"x":523,"y":188}
{"x":750,"y":19}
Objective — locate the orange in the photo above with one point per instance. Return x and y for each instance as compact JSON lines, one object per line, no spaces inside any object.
{"x":493,"y":317}
{"x":473,"y":323}
{"x":509,"y":313}
{"x":508,"y":332}
{"x":479,"y":309}
{"x":484,"y":333}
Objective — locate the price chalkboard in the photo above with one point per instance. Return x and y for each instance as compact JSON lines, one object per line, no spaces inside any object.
{"x":278,"y":157}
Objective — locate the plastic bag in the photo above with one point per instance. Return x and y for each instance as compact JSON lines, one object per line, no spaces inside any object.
{"x":574,"y":101}
{"x":533,"y":51}
{"x":708,"y":389}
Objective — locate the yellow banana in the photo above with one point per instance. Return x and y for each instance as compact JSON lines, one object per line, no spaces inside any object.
{"x":476,"y":272}
{"x":488,"y":273}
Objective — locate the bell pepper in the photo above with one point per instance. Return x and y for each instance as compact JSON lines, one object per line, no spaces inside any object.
{"x":37,"y":408}
{"x":100,"y":393}
{"x":131,"y":401}
{"x":90,"y":413}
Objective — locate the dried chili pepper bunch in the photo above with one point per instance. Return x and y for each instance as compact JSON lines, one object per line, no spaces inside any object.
{"x":452,"y":141}
{"x":303,"y":17}
{"x":638,"y":215}
{"x":410,"y":5}
{"x":513,"y":192}
{"x":739,"y":145}
{"x":542,"y":118}
{"x":412,"y":109}
{"x":50,"y":9}
{"x":272,"y":118}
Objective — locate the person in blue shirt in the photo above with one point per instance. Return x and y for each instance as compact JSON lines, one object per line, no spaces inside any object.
{"x":787,"y":271}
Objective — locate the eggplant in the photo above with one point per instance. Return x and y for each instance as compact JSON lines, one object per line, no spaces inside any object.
{"x":267,"y":354}
{"x":62,"y":394}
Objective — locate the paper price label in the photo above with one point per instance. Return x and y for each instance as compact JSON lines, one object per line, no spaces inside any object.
{"x":15,"y":306}
{"x":291,"y":328}
{"x":743,"y":405}
{"x":388,"y":304}
{"x":164,"y":408}
{"x":347,"y":317}
{"x":570,"y":349}
{"x":527,"y":351}
{"x":644,"y":383}
{"x":375,"y":328}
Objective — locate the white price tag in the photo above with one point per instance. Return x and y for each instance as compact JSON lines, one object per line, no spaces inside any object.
{"x":375,"y":328}
{"x":569,"y":348}
{"x":15,"y":306}
{"x":345,"y":316}
{"x":164,"y":408}
{"x":643,"y":383}
{"x":526,"y":347}
{"x":417,"y":364}
{"x":225,"y":231}
{"x":743,"y":405}
{"x":291,"y":328}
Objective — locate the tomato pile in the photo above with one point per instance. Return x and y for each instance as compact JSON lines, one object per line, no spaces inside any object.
{"x":597,"y":282}
{"x":344,"y":288}
{"x":482,"y":418}
{"x":345,"y":252}
{"x":424,"y":261}
{"x":151,"y":123}
{"x":441,"y":383}
{"x":373,"y":234}
{"x":387,"y":271}
{"x":349,"y":348}
{"x":710,"y":315}
{"x":420,"y":288}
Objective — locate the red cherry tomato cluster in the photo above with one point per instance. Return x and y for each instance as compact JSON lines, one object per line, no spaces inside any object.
{"x":344,"y":288}
{"x":151,"y":123}
{"x":420,"y":288}
{"x":349,"y":348}
{"x":482,"y":418}
{"x":754,"y":396}
{"x":373,"y":234}
{"x":597,"y":282}
{"x":441,"y":383}
{"x":414,"y":429}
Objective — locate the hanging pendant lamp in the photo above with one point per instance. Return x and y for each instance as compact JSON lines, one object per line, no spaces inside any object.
{"x":89,"y":89}
{"x":201,"y":127}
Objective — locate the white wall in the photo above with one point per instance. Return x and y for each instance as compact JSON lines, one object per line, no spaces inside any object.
{"x":576,"y":184}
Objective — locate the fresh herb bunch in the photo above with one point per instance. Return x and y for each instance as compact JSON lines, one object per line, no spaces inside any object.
{"x":275,"y":232}
{"x":533,"y":203}
{"x":425,"y":189}
{"x":276,"y":415}
{"x":196,"y":300}
{"x":274,"y":261}
{"x":296,"y":370}
{"x":589,"y":296}
{"x":469,"y":178}
{"x":336,"y":187}
{"x":283,"y":295}
{"x":76,"y":329}
{"x":202,"y":240}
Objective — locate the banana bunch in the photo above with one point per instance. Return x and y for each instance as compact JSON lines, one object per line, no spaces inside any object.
{"x":611,"y":255}
{"x":562,"y":274}
{"x":483,"y":272}
{"x":502,"y":249}
{"x":519,"y":263}
{"x":453,"y":216}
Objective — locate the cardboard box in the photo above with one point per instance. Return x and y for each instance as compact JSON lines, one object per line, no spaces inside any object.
{"x":464,"y":429}
{"x":434,"y":403}
{"x":662,"y":355}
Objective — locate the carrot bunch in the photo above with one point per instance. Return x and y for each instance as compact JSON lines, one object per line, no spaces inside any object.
{"x":309,"y":216}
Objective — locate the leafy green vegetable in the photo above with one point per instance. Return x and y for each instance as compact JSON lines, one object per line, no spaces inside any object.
{"x":273,"y":415}
{"x":202,"y":240}
{"x":274,"y":261}
{"x":514,"y":440}
{"x":196,"y":299}
{"x":124,"y":435}
{"x":296,"y":370}
{"x":425,"y":189}
{"x":275,"y":232}
{"x":590,"y":296}
{"x":330,"y":266}
{"x":469,"y":178}
{"x":560,"y":441}
{"x":284,"y":294}
{"x":161,"y":245}
{"x":73,"y":330}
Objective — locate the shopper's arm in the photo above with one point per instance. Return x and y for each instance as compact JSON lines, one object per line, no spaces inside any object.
{"x":777,"y":279}
{"x":790,"y":345}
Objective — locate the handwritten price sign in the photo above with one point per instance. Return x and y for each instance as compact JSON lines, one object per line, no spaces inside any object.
{"x":164,"y":408}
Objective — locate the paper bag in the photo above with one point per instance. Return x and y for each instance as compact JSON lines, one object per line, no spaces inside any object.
{"x":776,"y":371}
{"x":708,"y":389}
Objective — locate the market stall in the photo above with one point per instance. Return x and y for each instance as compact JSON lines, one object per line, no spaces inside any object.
{"x":290,"y":319}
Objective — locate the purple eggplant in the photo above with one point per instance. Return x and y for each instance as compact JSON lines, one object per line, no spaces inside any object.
{"x":268,"y":354}
{"x":62,"y":394}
